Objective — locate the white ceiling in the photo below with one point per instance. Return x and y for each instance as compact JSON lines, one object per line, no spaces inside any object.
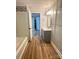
{"x":36,"y":5}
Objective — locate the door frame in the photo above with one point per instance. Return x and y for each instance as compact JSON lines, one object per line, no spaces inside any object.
{"x":40,"y":20}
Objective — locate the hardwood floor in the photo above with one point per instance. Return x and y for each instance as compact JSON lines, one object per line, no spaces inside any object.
{"x":37,"y":49}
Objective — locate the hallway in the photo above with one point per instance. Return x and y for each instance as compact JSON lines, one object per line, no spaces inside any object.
{"x":35,"y":19}
{"x":37,"y":49}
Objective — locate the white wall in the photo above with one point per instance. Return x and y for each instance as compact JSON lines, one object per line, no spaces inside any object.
{"x":57,"y":29}
{"x":43,"y":20}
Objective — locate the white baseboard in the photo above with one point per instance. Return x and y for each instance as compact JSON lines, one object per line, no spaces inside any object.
{"x":21,"y":49}
{"x":56,"y":49}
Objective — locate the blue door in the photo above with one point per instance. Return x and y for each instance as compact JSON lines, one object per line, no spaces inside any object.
{"x":38,"y":23}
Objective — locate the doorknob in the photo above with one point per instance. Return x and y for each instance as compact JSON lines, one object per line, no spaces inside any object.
{"x":29,"y":28}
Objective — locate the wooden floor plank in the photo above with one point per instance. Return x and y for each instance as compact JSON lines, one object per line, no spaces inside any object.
{"x":38,"y":49}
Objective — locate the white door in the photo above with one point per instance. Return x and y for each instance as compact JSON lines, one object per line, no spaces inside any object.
{"x":22,"y":24}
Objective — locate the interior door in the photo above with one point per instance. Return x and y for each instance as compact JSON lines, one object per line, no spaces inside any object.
{"x":22,"y":24}
{"x":38,"y":23}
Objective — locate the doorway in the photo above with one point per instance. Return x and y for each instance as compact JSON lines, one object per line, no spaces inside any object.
{"x":35,"y":24}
